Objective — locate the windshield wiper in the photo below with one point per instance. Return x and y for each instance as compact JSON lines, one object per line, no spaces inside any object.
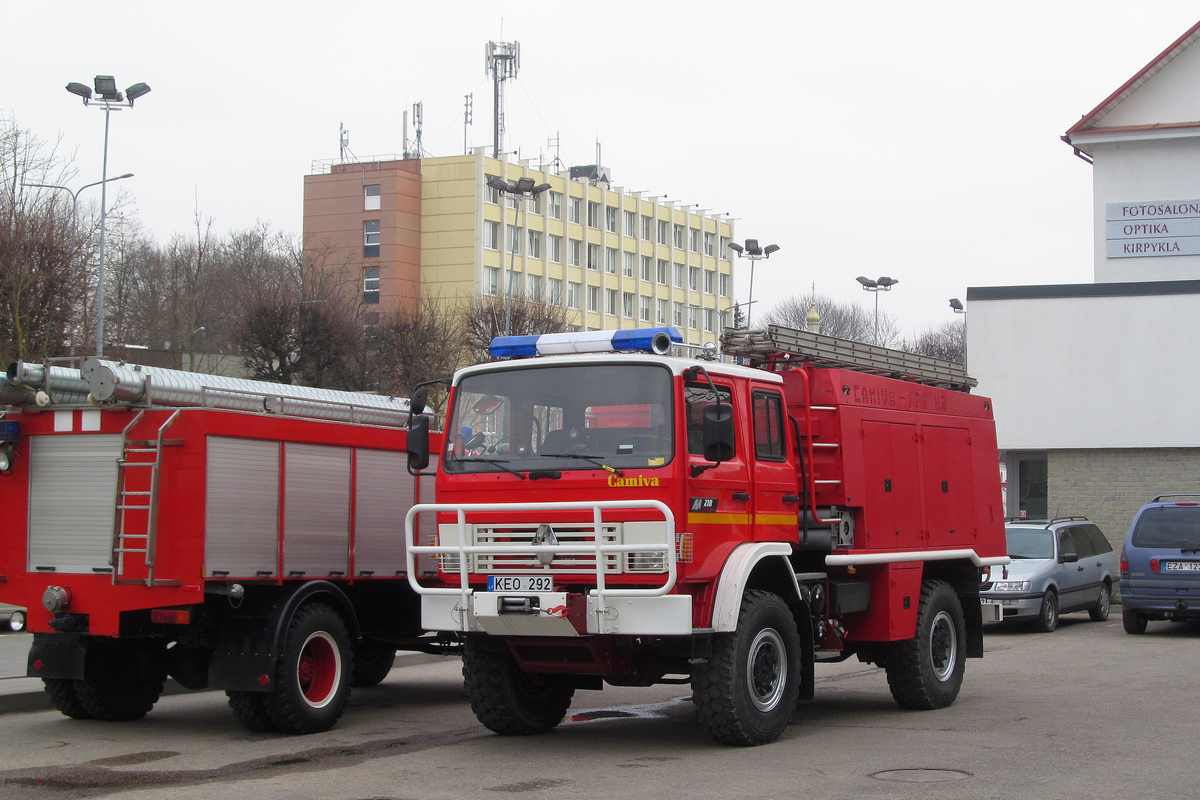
{"x":595,"y":461}
{"x":499,"y":462}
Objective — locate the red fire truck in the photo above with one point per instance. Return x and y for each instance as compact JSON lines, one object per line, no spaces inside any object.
{"x":232,"y":534}
{"x":610,"y":514}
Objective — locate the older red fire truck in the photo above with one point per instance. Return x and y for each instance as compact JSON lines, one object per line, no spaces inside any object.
{"x":607,"y":513}
{"x":232,"y":534}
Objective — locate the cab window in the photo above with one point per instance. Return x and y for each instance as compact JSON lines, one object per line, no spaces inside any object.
{"x":768,"y":426}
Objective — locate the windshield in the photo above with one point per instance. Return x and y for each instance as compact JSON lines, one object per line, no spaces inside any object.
{"x":1169,"y":527}
{"x":569,"y":417}
{"x":1030,"y":543}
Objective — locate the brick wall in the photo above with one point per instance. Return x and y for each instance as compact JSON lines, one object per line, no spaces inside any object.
{"x":1109,"y":486}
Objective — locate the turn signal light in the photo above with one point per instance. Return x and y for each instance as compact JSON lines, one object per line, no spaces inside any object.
{"x":171,"y":616}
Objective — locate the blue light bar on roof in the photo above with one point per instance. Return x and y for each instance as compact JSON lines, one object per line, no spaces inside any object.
{"x":649,"y":340}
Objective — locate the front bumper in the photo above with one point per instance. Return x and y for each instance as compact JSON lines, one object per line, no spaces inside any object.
{"x":1013,"y":605}
{"x":556,"y":614}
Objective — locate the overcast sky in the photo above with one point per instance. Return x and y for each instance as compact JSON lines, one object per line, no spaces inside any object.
{"x":918,"y":140}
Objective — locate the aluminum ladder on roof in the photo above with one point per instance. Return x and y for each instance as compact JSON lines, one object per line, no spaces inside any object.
{"x":126,"y":541}
{"x":762,"y":346}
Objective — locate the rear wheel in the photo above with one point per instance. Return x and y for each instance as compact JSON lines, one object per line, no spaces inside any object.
{"x":1099,"y":612}
{"x":926,"y":672}
{"x":508,"y":700}
{"x":250,"y":708}
{"x":1047,"y":618}
{"x":747,"y":690}
{"x":122,"y":680}
{"x":372,"y":663}
{"x":62,"y":694}
{"x":1134,"y":622}
{"x":312,"y":678}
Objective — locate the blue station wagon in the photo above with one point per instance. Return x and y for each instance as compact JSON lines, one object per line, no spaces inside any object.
{"x":1160,"y":563}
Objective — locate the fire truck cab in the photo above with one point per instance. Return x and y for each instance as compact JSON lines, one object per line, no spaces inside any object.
{"x":608,"y":513}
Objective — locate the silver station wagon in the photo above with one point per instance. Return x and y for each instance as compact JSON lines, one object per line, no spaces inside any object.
{"x":1059,"y":566}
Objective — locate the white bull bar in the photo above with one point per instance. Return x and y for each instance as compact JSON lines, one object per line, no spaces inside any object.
{"x":597,"y":547}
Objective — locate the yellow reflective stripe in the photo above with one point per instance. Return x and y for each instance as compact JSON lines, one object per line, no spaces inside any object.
{"x":741,"y":519}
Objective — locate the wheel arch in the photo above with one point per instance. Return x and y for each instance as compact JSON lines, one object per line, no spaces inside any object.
{"x":963,"y":577}
{"x":309,"y":592}
{"x":753,"y":565}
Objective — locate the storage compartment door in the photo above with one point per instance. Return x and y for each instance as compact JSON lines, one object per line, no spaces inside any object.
{"x":383,"y":493}
{"x":316,"y":510}
{"x":72,"y":501}
{"x":241,"y":520}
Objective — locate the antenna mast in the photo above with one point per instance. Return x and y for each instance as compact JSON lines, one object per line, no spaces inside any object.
{"x":467,"y":120}
{"x":503,"y":61}
{"x":418,"y":117}
{"x":343,"y":142}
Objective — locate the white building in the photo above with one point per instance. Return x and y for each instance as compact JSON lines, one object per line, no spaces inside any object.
{"x":1096,"y":387}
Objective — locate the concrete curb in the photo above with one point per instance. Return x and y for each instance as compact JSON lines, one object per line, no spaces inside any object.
{"x":27,"y":694}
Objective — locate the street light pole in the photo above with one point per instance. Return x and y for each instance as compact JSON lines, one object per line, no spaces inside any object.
{"x":883,"y":284}
{"x":754,"y":253}
{"x":109,"y":99}
{"x":520,"y":188}
{"x":74,"y":194}
{"x":957,"y":305}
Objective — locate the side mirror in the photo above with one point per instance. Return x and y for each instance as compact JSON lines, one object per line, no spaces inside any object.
{"x":718,"y":432}
{"x":418,"y":401}
{"x":1069,"y":558}
{"x":418,"y":444}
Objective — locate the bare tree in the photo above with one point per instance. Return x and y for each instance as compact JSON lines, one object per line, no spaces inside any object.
{"x":484,"y":319}
{"x":418,"y":345}
{"x":947,"y":341}
{"x":851,"y":321}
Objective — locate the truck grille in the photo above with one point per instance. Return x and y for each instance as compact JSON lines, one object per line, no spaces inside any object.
{"x":567,"y":563}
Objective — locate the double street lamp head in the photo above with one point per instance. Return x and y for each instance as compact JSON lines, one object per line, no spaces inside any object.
{"x":521,"y":186}
{"x":752,"y":249}
{"x":883,"y":283}
{"x":106,"y":91}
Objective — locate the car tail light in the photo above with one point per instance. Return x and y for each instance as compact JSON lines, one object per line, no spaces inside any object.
{"x":1154,"y":565}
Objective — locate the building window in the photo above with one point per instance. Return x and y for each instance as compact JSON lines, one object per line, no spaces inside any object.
{"x":647,"y":228}
{"x":710,"y":319}
{"x":725,"y":247}
{"x":573,"y":290}
{"x":371,"y":285}
{"x":514,"y":240}
{"x":627,"y":305}
{"x":514,"y":201}
{"x":710,"y":243}
{"x":709,"y":281}
{"x":663,"y":278}
{"x":593,"y":261}
{"x":629,"y":261}
{"x":694,"y":239}
{"x":535,"y":244}
{"x":593,"y":294}
{"x":491,"y":235}
{"x":491,"y":194}
{"x":631,"y":223}
{"x":679,"y":236}
{"x":647,"y":268}
{"x":593,"y":214}
{"x":514,"y":284}
{"x":533,"y":288}
{"x":646,"y":301}
{"x":694,"y":318}
{"x":610,"y":219}
{"x":694,"y":278}
{"x":576,"y":209}
{"x":371,"y":238}
{"x":610,"y":261}
{"x":556,"y":205}
{"x":371,"y":197}
{"x":677,"y":317}
{"x":555,"y":291}
{"x":679,"y":273}
{"x":576,"y":253}
{"x":610,"y":301}
{"x":556,"y":249}
{"x":663,"y":309}
{"x":664,"y":230}
{"x":491,"y":280}
{"x":537,"y":204}
{"x":724,"y":285}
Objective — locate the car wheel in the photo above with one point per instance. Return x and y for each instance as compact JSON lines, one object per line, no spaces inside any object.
{"x":1133,"y":621}
{"x":1047,"y":618}
{"x":1099,"y":612}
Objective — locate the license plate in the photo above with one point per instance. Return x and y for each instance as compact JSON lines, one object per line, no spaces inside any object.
{"x":520,"y":583}
{"x":1181,"y":566}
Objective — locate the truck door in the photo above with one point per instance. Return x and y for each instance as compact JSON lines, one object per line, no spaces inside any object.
{"x":720,"y":500}
{"x":776,"y":484}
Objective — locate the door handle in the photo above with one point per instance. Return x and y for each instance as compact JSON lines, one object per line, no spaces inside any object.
{"x":791,"y":498}
{"x":1080,"y":568}
{"x":741,"y":495}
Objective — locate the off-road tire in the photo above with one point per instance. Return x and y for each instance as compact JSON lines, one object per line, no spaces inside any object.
{"x":1047,"y":617}
{"x":1099,"y":612}
{"x":61,"y":692}
{"x":508,"y":700}
{"x":122,"y":680}
{"x":1133,"y":622}
{"x":250,"y":708}
{"x":746,"y":692}
{"x":926,"y":672}
{"x":312,"y":677}
{"x":372,"y":663}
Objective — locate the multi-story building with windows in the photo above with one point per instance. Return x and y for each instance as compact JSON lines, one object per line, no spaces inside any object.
{"x":433,"y":227}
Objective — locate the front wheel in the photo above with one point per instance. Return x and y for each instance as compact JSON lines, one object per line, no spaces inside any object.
{"x":1047,"y":618}
{"x":747,"y":690}
{"x":312,"y":678}
{"x":508,"y":700}
{"x":1099,"y":612}
{"x":926,"y":672}
{"x":372,"y":663}
{"x":1134,"y":622}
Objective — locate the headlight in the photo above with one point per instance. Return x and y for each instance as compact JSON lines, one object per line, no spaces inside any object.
{"x":1010,"y":586}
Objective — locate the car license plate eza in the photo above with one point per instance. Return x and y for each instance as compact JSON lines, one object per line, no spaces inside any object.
{"x":520,"y":583}
{"x":1181,"y":566}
